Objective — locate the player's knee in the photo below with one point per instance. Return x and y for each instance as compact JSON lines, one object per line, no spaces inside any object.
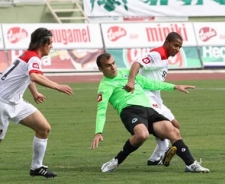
{"x":141,"y":136}
{"x":44,"y":130}
{"x":175,"y":123}
{"x":47,"y":129}
{"x":176,"y":134}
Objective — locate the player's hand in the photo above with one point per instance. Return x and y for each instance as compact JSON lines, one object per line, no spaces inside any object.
{"x":183,"y":88}
{"x":39,"y":98}
{"x":95,"y":142}
{"x":65,"y":89}
{"x":129,"y":87}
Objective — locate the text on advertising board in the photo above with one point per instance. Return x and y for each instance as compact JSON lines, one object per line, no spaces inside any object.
{"x":66,"y":36}
{"x":160,"y":32}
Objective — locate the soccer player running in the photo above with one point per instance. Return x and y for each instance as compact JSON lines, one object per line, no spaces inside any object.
{"x":137,"y":114}
{"x":154,"y":65}
{"x":23,"y":73}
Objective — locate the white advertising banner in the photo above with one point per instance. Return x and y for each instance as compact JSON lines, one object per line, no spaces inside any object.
{"x":94,"y":8}
{"x":141,"y":35}
{"x":65,"y":36}
{"x":1,"y":39}
{"x":210,"y":33}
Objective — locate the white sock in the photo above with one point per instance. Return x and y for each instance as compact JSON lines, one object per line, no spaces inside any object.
{"x":39,"y":147}
{"x":160,"y":149}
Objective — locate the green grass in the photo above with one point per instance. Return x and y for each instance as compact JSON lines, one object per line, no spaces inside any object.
{"x":200,"y":113}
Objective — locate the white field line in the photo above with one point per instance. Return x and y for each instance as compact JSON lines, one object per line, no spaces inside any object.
{"x":211,"y":89}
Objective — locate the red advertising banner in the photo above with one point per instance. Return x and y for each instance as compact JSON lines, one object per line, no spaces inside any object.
{"x":63,"y":60}
{"x":3,"y":61}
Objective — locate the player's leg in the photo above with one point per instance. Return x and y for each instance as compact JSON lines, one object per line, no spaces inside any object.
{"x":165,"y":129}
{"x":135,"y":122}
{"x":34,"y":119}
{"x":169,"y":115}
{"x":159,"y":151}
{"x":162,"y":144}
{"x":4,"y":119}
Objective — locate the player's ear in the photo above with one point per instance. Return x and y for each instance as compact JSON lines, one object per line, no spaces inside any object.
{"x":166,"y":41}
{"x":100,"y":69}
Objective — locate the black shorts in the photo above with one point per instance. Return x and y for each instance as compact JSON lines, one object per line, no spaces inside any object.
{"x":133,"y":115}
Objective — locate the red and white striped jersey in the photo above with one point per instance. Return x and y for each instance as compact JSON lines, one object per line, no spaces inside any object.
{"x":15,"y":79}
{"x":155,"y":66}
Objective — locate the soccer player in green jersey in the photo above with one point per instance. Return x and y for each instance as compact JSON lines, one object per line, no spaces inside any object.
{"x":137,"y":115}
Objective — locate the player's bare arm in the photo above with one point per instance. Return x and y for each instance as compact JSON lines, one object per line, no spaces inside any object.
{"x":133,"y":72}
{"x":96,"y":140}
{"x":44,"y":81}
{"x":38,"y":97}
{"x":182,"y":88}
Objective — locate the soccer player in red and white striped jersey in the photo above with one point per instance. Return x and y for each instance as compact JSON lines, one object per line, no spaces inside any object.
{"x":22,"y":74}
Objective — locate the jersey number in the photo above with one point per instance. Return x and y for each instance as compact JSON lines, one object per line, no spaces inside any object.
{"x":15,"y":64}
{"x":164,"y":73}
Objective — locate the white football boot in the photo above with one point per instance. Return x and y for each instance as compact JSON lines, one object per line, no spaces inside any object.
{"x":196,"y":168}
{"x":110,"y":165}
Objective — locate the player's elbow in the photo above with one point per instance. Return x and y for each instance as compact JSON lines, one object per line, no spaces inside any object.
{"x":34,"y":77}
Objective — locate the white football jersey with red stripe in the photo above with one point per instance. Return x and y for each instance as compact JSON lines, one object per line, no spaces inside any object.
{"x":155,"y":66}
{"x":15,"y":79}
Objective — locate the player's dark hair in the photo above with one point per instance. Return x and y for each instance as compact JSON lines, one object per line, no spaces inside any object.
{"x":102,"y":56}
{"x":173,"y":36}
{"x":39,"y":37}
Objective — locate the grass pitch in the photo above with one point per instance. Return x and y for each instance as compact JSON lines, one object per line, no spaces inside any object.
{"x":200,"y":113}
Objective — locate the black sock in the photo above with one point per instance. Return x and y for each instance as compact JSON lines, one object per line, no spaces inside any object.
{"x":183,"y":152}
{"x":127,"y":149}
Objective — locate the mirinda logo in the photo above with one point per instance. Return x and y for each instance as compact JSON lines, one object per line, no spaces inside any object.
{"x":116,"y":32}
{"x":15,"y":34}
{"x":206,"y":33}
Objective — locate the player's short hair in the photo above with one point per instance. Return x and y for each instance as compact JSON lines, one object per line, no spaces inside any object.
{"x":102,"y":56}
{"x":173,"y":36}
{"x":39,"y":37}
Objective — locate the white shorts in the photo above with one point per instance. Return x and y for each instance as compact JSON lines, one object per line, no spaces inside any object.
{"x":162,"y":109}
{"x":10,"y":112}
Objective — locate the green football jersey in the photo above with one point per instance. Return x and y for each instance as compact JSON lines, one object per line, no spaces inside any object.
{"x":112,"y":90}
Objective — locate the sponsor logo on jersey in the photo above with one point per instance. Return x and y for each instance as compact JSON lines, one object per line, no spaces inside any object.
{"x":99,"y":97}
{"x":15,"y":34}
{"x":35,"y":65}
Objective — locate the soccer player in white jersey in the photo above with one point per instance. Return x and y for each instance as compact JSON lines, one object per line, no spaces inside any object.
{"x":154,"y":65}
{"x":23,"y":73}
